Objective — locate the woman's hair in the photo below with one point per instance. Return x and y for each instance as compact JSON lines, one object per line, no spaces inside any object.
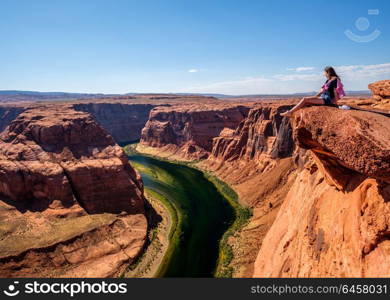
{"x":331,"y":71}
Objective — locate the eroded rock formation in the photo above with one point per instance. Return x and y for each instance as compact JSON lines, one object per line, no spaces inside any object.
{"x":334,"y":220}
{"x":187,"y":131}
{"x":380,"y":89}
{"x":69,"y":200}
{"x":381,"y":93}
{"x":263,"y":131}
{"x":122,"y":116}
{"x":256,"y":160}
{"x":8,"y":113}
{"x":124,"y":121}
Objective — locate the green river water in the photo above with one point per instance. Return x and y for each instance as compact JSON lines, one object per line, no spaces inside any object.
{"x":202,"y":213}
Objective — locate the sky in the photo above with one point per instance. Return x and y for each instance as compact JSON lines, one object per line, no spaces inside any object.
{"x":199,"y":46}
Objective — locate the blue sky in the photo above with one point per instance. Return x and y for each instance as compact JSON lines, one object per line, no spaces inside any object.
{"x":233,"y":47}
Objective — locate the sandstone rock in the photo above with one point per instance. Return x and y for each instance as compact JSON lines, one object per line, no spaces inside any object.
{"x":380,"y":88}
{"x":255,"y":159}
{"x":122,"y":116}
{"x":124,"y":121}
{"x":7,"y":114}
{"x":322,"y":232}
{"x":263,"y":131}
{"x":381,"y":95}
{"x":64,"y":181}
{"x":359,"y":141}
{"x":334,"y":220}
{"x":190,"y":128}
{"x":73,"y":148}
{"x":100,"y":251}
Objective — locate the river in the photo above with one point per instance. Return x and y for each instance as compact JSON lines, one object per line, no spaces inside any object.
{"x":203,"y":213}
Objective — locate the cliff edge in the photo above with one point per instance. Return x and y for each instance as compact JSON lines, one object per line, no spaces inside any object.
{"x":334,"y":220}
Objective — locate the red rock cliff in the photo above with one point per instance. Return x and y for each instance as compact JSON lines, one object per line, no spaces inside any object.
{"x":262,"y":131}
{"x":70,"y":203}
{"x":124,"y":121}
{"x":7,"y":114}
{"x":189,"y":129}
{"x":334,"y":219}
{"x":256,"y":160}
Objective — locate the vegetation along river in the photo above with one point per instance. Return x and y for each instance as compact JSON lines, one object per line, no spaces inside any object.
{"x":201,"y":215}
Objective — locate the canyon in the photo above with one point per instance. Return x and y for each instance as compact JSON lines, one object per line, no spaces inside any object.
{"x":70,"y":204}
{"x":318,"y":184}
{"x":304,"y":181}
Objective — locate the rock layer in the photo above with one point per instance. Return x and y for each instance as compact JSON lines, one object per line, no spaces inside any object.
{"x":263,"y":131}
{"x":256,"y":160}
{"x":358,"y":140}
{"x":189,"y":129}
{"x":7,"y":114}
{"x":63,"y":176}
{"x":334,"y":220}
{"x":124,"y":121}
{"x":380,"y":88}
{"x":381,"y":94}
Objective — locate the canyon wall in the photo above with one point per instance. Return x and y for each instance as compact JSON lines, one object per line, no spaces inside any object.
{"x":186,"y":131}
{"x":9,"y":113}
{"x":260,"y":138}
{"x":334,"y":220}
{"x":70,"y":203}
{"x":124,"y":121}
{"x":256,"y":159}
{"x":122,"y":116}
{"x":318,"y":188}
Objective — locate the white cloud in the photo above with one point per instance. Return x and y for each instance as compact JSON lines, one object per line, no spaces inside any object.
{"x":234,"y":87}
{"x":355,"y":77}
{"x":361,"y":71}
{"x":193,"y":70}
{"x":306,"y":77}
{"x":301,"y":69}
{"x":251,"y":85}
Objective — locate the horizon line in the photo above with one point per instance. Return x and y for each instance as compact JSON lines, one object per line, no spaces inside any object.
{"x":26,"y":92}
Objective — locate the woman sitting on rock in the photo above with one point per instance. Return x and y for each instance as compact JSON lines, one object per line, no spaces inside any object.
{"x":330,"y":92}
